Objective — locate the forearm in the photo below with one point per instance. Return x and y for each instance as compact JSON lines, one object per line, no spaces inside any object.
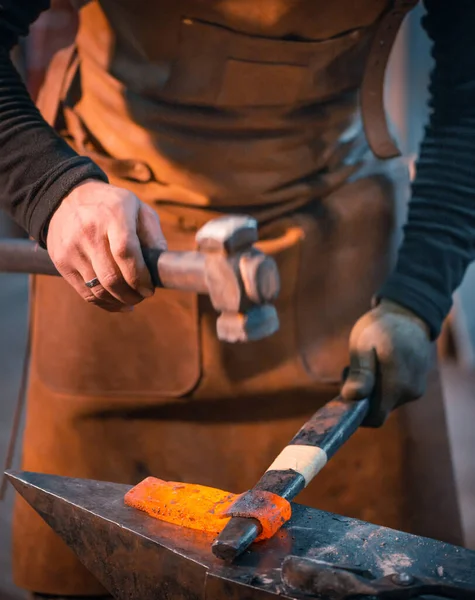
{"x":439,"y":237}
{"x":440,"y":231}
{"x":37,"y":168}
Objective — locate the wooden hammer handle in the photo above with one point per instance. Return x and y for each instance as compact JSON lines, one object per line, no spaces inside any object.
{"x":24,"y":256}
{"x":173,"y":270}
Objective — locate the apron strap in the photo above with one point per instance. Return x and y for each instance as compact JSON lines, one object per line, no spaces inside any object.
{"x":57,"y":83}
{"x":372,"y":89}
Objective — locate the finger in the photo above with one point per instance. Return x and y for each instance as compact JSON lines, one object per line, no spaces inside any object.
{"x":96,"y":295}
{"x":409,"y":387}
{"x":111,"y":279}
{"x":344,"y":374}
{"x":149,"y":229}
{"x":420,"y":364}
{"x":404,"y":375}
{"x":361,"y":378}
{"x":127,"y":253}
{"x":78,"y":274}
{"x":390,"y":392}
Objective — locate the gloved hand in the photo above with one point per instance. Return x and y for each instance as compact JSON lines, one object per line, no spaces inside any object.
{"x":390,"y":354}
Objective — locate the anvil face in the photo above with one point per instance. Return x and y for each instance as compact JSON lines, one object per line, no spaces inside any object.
{"x":138,"y":557}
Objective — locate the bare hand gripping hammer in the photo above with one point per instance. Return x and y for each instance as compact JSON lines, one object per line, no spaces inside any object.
{"x":240,"y":280}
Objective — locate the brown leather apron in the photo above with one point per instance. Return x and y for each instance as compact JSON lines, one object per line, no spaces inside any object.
{"x":203,"y":109}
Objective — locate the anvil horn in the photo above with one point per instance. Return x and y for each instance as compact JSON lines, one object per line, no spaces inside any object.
{"x":132,"y":555}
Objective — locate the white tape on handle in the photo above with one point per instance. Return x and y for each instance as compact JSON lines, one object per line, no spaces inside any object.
{"x":306,"y":460}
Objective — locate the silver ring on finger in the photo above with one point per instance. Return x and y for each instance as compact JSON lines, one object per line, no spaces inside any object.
{"x":92,"y":283}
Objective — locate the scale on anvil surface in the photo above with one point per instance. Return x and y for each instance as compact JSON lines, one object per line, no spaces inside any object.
{"x":315,"y":554}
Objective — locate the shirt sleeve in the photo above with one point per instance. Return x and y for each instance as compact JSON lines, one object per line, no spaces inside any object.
{"x":37,"y":168}
{"x":439,"y":236}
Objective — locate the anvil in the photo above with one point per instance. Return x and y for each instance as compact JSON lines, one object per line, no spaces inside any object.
{"x":315,"y":554}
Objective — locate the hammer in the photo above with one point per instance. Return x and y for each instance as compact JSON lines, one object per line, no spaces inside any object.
{"x":240,"y":280}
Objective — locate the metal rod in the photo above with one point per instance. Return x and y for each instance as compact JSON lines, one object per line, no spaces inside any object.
{"x":173,"y":270}
{"x":24,"y":256}
{"x":325,"y":432}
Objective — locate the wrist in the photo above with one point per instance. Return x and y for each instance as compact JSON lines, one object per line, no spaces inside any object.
{"x":76,"y":191}
{"x":71,"y":196}
{"x":389,"y":306}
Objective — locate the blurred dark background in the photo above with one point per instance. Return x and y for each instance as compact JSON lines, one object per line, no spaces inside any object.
{"x":406,"y":98}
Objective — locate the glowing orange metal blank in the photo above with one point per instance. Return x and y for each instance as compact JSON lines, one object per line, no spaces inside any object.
{"x":271,"y":510}
{"x":194,"y":506}
{"x":205,"y":508}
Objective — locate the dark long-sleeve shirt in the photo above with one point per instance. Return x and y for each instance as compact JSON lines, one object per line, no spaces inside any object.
{"x":38,"y":169}
{"x":439,"y":237}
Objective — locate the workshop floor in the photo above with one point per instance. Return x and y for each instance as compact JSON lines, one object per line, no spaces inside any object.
{"x":460,"y":394}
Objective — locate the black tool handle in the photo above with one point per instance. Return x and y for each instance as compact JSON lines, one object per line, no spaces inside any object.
{"x":296,"y":466}
{"x":173,"y":270}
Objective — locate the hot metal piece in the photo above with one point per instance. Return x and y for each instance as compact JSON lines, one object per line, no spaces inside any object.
{"x":208,"y":509}
{"x":187,"y":505}
{"x":140,"y":558}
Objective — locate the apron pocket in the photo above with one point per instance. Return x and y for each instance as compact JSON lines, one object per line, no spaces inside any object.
{"x":219,"y":67}
{"x":271,"y":365}
{"x":80,"y":349}
{"x":332,"y":257}
{"x":347,"y":252}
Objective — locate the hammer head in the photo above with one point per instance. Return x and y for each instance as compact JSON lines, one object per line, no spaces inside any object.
{"x":242,"y":282}
{"x":229,"y":234}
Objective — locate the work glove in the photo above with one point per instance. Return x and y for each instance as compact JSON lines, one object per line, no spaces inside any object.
{"x":390,"y":357}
